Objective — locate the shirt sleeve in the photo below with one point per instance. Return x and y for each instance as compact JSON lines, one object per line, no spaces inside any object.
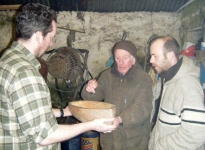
{"x":31,"y":103}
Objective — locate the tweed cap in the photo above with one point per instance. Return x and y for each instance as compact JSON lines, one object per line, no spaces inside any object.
{"x":126,"y":45}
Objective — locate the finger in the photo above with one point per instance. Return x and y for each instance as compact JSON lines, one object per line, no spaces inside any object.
{"x":91,"y":90}
{"x":109,"y":119}
{"x":88,"y":89}
{"x":92,"y":86}
{"x":107,"y":132}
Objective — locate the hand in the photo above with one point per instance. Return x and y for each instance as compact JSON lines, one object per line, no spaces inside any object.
{"x":101,"y":126}
{"x":118,"y":120}
{"x":91,"y":86}
{"x":67,"y":112}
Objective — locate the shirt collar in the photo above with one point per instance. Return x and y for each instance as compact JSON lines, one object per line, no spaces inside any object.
{"x":28,"y":55}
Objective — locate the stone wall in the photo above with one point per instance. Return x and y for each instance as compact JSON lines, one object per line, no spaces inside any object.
{"x":97,"y":32}
{"x":193,"y":23}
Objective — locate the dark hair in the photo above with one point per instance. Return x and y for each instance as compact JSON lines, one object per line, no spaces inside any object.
{"x":170,"y":44}
{"x":34,"y":17}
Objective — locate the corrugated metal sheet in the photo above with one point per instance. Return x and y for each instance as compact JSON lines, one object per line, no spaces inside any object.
{"x":106,"y":5}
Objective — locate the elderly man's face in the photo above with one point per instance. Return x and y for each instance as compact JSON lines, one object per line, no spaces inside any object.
{"x":124,"y":60}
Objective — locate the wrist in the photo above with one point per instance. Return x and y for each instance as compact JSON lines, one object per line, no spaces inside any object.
{"x":120,"y":120}
{"x":61,"y":113}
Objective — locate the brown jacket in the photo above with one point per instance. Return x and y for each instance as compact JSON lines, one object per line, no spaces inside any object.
{"x":132,"y":95}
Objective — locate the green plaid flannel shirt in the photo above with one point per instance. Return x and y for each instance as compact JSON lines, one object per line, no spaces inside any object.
{"x":26,"y":116}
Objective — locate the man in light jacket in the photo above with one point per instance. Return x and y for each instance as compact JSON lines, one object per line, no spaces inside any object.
{"x":180,"y":117}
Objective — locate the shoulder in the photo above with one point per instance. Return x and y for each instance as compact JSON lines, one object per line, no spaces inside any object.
{"x":142,"y":75}
{"x":16,"y":61}
{"x":105,"y":73}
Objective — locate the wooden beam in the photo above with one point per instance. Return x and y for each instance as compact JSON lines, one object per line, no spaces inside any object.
{"x":10,"y":7}
{"x":185,"y":5}
{"x":71,"y":29}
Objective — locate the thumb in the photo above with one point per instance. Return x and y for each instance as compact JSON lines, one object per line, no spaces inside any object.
{"x":109,"y":121}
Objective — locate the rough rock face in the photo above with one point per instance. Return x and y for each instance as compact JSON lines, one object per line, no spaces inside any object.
{"x":97,"y":32}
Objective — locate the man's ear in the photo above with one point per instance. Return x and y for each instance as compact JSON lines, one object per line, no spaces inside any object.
{"x":39,"y":37}
{"x":133,"y":60}
{"x":170,"y":55}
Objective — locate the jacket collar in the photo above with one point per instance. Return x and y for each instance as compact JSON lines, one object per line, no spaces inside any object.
{"x":117,"y":73}
{"x":171,"y":72}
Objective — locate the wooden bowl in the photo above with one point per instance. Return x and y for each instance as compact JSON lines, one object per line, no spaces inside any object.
{"x":90,"y":110}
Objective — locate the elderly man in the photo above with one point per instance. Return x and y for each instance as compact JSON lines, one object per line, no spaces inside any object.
{"x":129,"y":87}
{"x":180,"y":119}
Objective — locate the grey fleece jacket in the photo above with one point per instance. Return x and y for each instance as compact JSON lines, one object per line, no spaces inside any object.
{"x":132,"y":95}
{"x":181,"y":119}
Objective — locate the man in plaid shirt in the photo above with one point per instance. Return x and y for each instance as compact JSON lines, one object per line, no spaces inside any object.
{"x":27,"y":120}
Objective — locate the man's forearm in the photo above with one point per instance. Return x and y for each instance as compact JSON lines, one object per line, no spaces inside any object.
{"x":65,"y":132}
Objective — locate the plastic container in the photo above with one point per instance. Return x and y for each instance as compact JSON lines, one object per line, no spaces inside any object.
{"x":202,"y":74}
{"x":72,"y":144}
{"x":203,"y":46}
{"x":187,"y":45}
{"x":203,"y":86}
{"x":190,"y":51}
{"x":90,"y":140}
